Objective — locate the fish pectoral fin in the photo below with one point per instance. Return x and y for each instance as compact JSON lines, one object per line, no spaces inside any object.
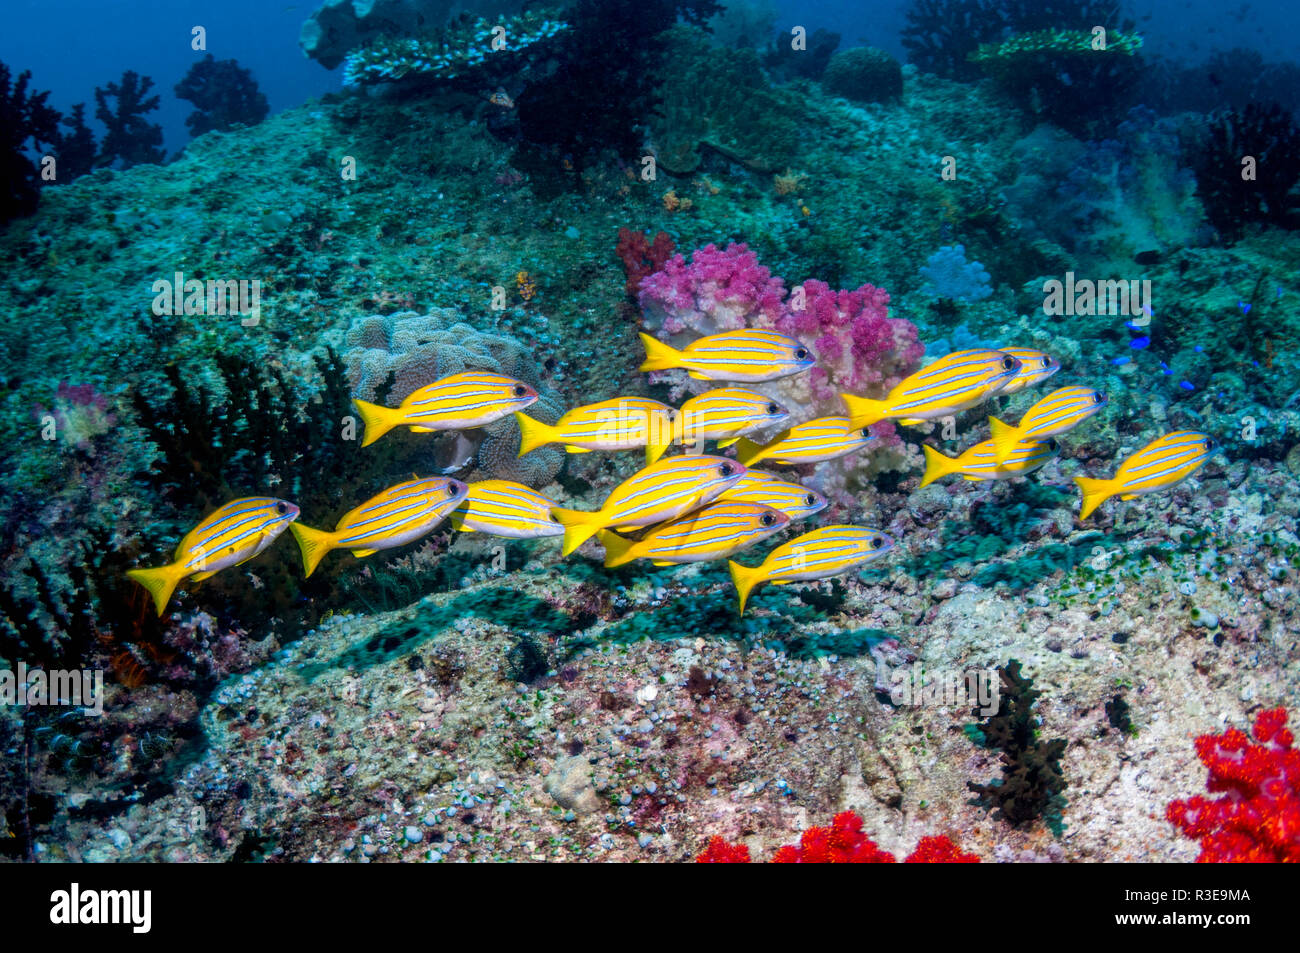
{"x":780,"y":582}
{"x":696,"y":375}
{"x":727,"y":443}
{"x":362,"y":553}
{"x":661,"y":562}
{"x":200,"y":576}
{"x":570,"y":448}
{"x":415,"y":429}
{"x":911,"y":421}
{"x":1122,"y":496}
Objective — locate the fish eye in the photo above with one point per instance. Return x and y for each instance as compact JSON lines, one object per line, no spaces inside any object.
{"x":726,"y":469}
{"x":1099,"y":399}
{"x":1047,"y":361}
{"x":281,"y":508}
{"x":873,"y":543}
{"x":773,"y":409}
{"x":1209,"y":444}
{"x":1009,"y":363}
{"x":1051,"y":444}
{"x":767,"y":519}
{"x":812,"y":500}
{"x":520,"y":390}
{"x":866,"y":431}
{"x":453,"y":490}
{"x":801,"y":353}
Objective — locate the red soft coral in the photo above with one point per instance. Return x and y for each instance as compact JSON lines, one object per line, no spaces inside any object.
{"x":939,"y":850}
{"x":841,"y":843}
{"x":1257,"y":820}
{"x":641,"y":257}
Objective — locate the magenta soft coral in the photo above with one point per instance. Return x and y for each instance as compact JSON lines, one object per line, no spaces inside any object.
{"x":718,"y":290}
{"x":859,"y":347}
{"x":1257,"y":819}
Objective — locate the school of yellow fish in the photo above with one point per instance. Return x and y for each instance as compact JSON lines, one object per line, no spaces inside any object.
{"x":695,"y":506}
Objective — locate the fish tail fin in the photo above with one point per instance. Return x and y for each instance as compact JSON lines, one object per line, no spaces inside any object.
{"x":579,"y":526}
{"x":863,"y":411}
{"x":1095,"y":493}
{"x":1005,"y":438}
{"x":617,"y":549}
{"x":748,"y":452}
{"x":653,"y":451}
{"x":936,"y":465}
{"x":161,"y":582}
{"x":378,"y":420}
{"x":744,"y":579}
{"x":533,"y":433}
{"x":314,"y":544}
{"x":658,"y":355}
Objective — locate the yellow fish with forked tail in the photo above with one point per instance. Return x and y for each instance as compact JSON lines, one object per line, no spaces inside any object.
{"x":1163,"y":463}
{"x":235,"y":533}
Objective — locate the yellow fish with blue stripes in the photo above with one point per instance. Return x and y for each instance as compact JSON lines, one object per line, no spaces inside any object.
{"x":1059,"y":412}
{"x":1035,"y":367}
{"x":458,"y":402}
{"x":399,"y":515}
{"x":813,"y":441}
{"x":662,"y":491}
{"x":726,"y":414}
{"x":717,"y":531}
{"x":623,"y":423}
{"x":233,"y":534}
{"x":505,"y":508}
{"x":758,"y":486}
{"x":948,"y":386}
{"x":747,"y":354}
{"x":981,"y":461}
{"x":1161,"y":464}
{"x":820,"y":554}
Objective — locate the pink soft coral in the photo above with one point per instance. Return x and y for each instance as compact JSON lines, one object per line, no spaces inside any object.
{"x":719,"y":290}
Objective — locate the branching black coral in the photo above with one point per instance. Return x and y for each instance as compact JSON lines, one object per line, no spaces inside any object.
{"x":25,"y":121}
{"x":1032,"y":782}
{"x":130,"y":139}
{"x":1237,"y":190}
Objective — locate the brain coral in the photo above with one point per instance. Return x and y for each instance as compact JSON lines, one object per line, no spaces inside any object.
{"x":418,"y":349}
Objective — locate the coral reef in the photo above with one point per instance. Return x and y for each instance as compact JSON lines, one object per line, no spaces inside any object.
{"x":223,"y":93}
{"x":1256,"y":818}
{"x":864,"y":74}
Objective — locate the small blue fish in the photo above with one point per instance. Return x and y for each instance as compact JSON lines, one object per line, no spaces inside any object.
{"x":1199,"y":349}
{"x":1124,"y":359}
{"x":1138,"y":344}
{"x":1245,"y":308}
{"x":1187,"y":385}
{"x":1164,"y":369}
